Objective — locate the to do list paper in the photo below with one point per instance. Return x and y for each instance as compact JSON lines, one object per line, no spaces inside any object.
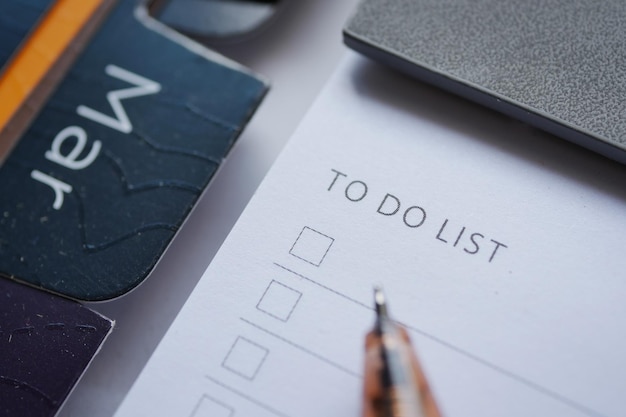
{"x":500,"y":250}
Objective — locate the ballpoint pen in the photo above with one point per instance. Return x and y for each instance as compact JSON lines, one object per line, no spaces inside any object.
{"x":394,"y":383}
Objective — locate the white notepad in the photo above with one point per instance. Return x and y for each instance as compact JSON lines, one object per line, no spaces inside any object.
{"x":501,"y":249}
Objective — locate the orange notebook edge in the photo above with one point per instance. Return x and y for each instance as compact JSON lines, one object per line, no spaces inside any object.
{"x":42,"y":61}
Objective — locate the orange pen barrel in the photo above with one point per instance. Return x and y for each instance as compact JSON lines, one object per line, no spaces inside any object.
{"x":394,"y":383}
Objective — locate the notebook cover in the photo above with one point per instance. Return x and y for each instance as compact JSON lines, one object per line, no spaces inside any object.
{"x":106,"y":174}
{"x":46,"y":343}
{"x":17,"y":19}
{"x":558,"y":65}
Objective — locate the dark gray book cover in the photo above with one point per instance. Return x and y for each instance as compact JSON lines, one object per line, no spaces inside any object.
{"x":558,"y":65}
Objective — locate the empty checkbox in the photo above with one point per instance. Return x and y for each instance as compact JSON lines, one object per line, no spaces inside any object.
{"x":311,"y":246}
{"x":279,"y":300}
{"x":245,"y":358}
{"x":209,"y":407}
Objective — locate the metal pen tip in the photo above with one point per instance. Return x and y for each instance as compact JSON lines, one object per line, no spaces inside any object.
{"x":380,"y":302}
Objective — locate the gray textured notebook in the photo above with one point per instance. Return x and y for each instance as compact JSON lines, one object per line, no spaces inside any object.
{"x":559,"y":65}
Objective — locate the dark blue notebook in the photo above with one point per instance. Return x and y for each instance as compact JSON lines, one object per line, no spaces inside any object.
{"x":17,"y":20}
{"x":105,"y":175}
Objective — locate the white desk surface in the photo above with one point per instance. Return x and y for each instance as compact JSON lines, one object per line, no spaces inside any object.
{"x":297,"y":54}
